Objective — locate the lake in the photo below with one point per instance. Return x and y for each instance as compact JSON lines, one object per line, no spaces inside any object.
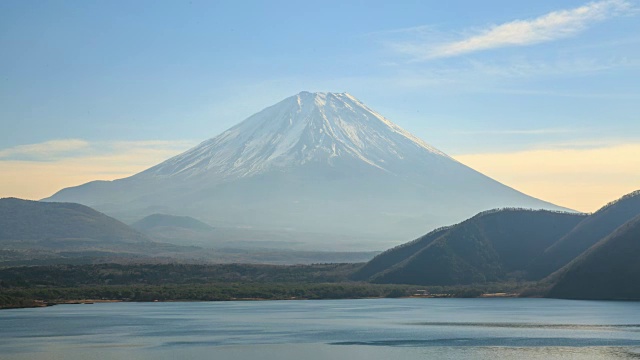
{"x":372,"y":329}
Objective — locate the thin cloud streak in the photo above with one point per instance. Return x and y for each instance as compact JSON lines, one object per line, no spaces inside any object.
{"x":522,"y":132}
{"x":44,"y":150}
{"x":527,"y":68}
{"x":549,"y":27}
{"x":77,"y":148}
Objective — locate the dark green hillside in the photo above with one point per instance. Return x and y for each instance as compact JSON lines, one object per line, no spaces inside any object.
{"x":61,"y":225}
{"x":591,"y":230}
{"x":491,"y":246}
{"x":608,"y":270}
{"x":162,"y":274}
{"x":163,"y":220}
{"x":398,"y":254}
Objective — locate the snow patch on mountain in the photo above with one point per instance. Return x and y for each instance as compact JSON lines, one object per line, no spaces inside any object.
{"x":304,"y":128}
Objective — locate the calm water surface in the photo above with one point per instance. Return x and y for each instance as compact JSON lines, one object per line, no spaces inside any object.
{"x":330,"y":329}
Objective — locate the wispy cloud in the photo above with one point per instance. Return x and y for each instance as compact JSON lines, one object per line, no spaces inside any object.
{"x":527,"y":67}
{"x":549,"y":27}
{"x":511,"y":76}
{"x":45,"y":150}
{"x":566,"y":94}
{"x":77,"y":148}
{"x":546,"y":131}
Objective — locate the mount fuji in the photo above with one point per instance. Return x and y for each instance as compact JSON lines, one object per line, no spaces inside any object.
{"x":321,"y":169}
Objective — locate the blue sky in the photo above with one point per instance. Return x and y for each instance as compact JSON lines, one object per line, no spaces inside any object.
{"x":122,"y":85}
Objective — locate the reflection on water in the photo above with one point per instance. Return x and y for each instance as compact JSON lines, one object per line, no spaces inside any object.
{"x":353,"y":329}
{"x":611,"y":327}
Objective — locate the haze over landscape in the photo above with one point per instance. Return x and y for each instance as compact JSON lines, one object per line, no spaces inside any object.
{"x":420,"y":163}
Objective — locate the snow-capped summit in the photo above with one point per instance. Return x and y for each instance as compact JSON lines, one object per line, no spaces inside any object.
{"x":307,"y":127}
{"x":320,"y":168}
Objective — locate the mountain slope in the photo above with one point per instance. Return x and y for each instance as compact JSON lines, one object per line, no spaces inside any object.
{"x":179,"y":230}
{"x":312,"y":163}
{"x":591,"y":230}
{"x":608,"y":270}
{"x":62,"y":226}
{"x":398,"y":254}
{"x":487,"y":247}
{"x":305,"y":128}
{"x":163,"y":220}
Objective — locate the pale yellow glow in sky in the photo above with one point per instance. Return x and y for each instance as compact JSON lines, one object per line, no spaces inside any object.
{"x":39,"y":179}
{"x":581,"y":179}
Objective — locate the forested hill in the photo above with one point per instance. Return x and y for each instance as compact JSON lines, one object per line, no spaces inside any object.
{"x":591,"y":230}
{"x":32,"y":229}
{"x":61,"y":225}
{"x":608,"y":270}
{"x":488,"y":247}
{"x":156,"y":221}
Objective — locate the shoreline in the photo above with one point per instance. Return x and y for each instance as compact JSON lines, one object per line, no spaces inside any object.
{"x":42,"y":303}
